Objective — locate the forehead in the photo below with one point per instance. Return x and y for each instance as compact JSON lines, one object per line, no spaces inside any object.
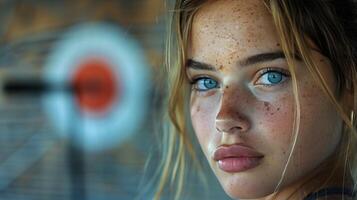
{"x":225,"y":26}
{"x":231,"y":10}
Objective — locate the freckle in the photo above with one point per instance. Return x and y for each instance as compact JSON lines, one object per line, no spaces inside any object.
{"x":278,"y":109}
{"x":271,"y":113}
{"x":227,"y":86}
{"x":278,"y":44}
{"x":321,"y":60}
{"x":220,"y":67}
{"x":267,"y":107}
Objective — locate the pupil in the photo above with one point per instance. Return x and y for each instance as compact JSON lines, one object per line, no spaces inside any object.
{"x":274,"y":77}
{"x":209,"y":83}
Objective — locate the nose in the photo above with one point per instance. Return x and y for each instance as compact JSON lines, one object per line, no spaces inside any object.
{"x":232,"y":116}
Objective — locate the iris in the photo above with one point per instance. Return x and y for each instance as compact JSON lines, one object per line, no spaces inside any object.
{"x":204,"y":84}
{"x":275,"y":77}
{"x":210,"y":83}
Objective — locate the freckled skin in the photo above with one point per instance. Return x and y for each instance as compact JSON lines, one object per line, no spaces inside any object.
{"x":242,"y":111}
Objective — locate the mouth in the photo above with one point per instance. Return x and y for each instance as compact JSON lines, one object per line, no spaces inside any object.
{"x":237,"y":158}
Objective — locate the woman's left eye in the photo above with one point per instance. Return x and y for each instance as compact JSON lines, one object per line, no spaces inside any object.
{"x":270,"y":77}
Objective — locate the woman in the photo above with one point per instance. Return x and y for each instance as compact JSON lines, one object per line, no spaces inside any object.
{"x":271,"y":91}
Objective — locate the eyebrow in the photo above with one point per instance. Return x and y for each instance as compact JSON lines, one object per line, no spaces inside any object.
{"x":263,"y":57}
{"x":192,"y":64}
{"x":251,"y":60}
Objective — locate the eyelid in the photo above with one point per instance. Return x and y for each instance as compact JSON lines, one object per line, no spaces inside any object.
{"x":273,"y":69}
{"x":201,"y":76}
{"x":266,"y":70}
{"x":195,"y":79}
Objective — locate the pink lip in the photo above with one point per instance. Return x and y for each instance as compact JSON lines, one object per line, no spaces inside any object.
{"x":236,"y":158}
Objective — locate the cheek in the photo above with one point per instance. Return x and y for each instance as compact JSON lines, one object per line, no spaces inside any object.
{"x":275,"y":120}
{"x":203,"y":117}
{"x":320,"y":127}
{"x":318,"y":130}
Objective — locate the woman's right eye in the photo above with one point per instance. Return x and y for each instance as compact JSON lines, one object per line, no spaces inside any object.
{"x":203,"y":84}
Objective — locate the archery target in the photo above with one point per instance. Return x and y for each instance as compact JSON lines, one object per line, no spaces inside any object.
{"x":95,"y":86}
{"x":110,"y":81}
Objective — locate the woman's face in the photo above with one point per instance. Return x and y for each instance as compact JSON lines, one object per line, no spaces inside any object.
{"x":242,"y":101}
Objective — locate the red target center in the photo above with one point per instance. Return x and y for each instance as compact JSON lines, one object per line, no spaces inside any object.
{"x":95,"y":86}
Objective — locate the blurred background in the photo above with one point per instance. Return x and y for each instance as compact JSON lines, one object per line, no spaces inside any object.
{"x":79,"y":99}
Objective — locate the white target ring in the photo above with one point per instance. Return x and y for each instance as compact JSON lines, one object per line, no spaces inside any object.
{"x":97,"y":123}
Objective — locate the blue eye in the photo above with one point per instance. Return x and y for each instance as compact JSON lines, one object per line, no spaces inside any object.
{"x":204,"y":84}
{"x":272,"y":77}
{"x":275,"y":77}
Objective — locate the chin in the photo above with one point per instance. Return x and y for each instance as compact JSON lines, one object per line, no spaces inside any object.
{"x":238,"y":187}
{"x":238,"y":194}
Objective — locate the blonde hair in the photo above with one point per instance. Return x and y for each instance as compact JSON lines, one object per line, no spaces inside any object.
{"x":330,"y":24}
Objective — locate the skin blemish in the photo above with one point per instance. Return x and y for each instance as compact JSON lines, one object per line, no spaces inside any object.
{"x":267,"y":106}
{"x":278,"y":44}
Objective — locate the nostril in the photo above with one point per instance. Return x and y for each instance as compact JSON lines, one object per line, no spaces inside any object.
{"x":232,"y":125}
{"x":238,"y":127}
{"x":231,"y":130}
{"x":235,"y":129}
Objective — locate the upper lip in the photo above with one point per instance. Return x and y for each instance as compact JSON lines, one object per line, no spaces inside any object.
{"x":236,"y":150}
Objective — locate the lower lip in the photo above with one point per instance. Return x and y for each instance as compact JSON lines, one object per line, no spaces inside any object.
{"x":238,"y":164}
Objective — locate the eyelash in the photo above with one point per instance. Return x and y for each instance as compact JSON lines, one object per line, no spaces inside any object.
{"x":195,"y":81}
{"x":261,"y":73}
{"x":265,"y":71}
